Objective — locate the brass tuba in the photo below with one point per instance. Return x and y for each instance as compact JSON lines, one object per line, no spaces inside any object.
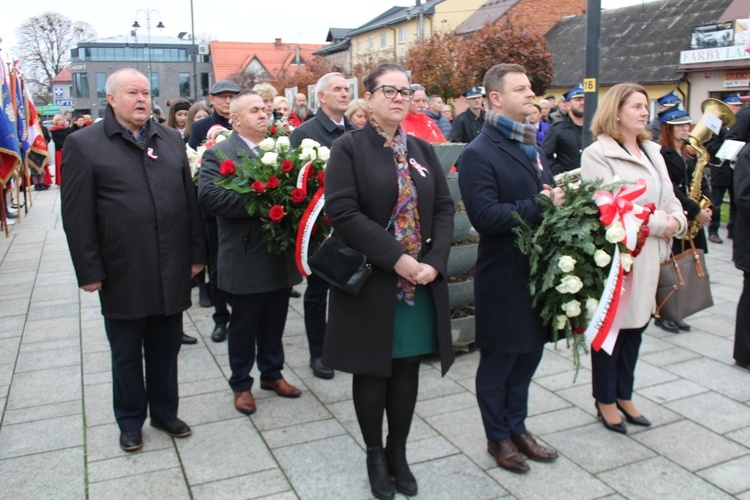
{"x":698,"y":136}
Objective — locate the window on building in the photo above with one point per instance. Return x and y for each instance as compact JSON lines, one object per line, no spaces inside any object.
{"x":184,"y":84}
{"x":402,"y":34}
{"x":154,"y":84}
{"x":359,"y":45}
{"x":205,"y":84}
{"x":81,"y":85}
{"x":369,"y":43}
{"x":382,"y":39}
{"x":101,"y":85}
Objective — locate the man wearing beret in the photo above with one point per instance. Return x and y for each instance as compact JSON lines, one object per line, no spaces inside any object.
{"x":563,"y":143}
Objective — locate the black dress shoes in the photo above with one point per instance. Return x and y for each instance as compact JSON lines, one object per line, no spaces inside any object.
{"x":642,"y":421}
{"x":319,"y":369}
{"x":187,"y":339}
{"x":219,"y":334}
{"x":295,"y":294}
{"x":175,"y":428}
{"x":131,"y":440}
{"x":682,"y":326}
{"x":619,"y":427}
{"x":669,"y":326}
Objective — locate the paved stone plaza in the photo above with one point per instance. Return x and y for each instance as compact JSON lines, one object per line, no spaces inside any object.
{"x":58,"y":437}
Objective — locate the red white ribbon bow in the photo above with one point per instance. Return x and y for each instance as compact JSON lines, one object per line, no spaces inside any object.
{"x":620,"y":206}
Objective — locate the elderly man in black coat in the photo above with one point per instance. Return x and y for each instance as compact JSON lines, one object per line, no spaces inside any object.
{"x":134,"y":231}
{"x":328,"y":125}
{"x":502,"y":173}
{"x":258,"y":282}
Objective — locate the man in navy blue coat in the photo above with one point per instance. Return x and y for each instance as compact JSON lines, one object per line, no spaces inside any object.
{"x":502,"y":171}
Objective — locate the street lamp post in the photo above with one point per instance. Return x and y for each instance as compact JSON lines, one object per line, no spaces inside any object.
{"x":160,"y":26}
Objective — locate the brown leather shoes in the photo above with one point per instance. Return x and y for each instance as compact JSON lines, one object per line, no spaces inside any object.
{"x":507,"y":456}
{"x":527,"y":445}
{"x":244,"y":402}
{"x":282,"y":388}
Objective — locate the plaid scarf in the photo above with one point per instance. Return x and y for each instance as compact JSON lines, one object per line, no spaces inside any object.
{"x":523,"y":133}
{"x":405,"y":217}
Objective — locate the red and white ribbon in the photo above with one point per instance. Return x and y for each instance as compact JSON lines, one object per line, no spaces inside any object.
{"x":305,"y":230}
{"x":304,"y":174}
{"x":620,"y":206}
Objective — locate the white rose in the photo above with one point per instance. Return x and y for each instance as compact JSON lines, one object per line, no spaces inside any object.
{"x":569,"y":284}
{"x":591,"y":305}
{"x":615,"y":233}
{"x":219,"y":138}
{"x":627,"y":262}
{"x":267,"y":144}
{"x":309,"y":143}
{"x":560,"y":321}
{"x":602,"y":258}
{"x":269,"y":159}
{"x":283,"y":143}
{"x":324,"y":153}
{"x":307,"y":154}
{"x":572,"y":308}
{"x":566,"y":263}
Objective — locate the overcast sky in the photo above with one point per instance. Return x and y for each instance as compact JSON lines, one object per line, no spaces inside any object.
{"x":302,"y":21}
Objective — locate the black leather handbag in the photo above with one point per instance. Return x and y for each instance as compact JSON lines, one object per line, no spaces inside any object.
{"x":341,"y":266}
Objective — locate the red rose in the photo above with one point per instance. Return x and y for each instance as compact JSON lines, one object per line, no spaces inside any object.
{"x":287,"y":166}
{"x":298,"y":195}
{"x":314,"y":230}
{"x":321,"y":177}
{"x":227,"y":168}
{"x":258,"y":186}
{"x":276,"y":213}
{"x":272,"y":182}
{"x":273,"y":130}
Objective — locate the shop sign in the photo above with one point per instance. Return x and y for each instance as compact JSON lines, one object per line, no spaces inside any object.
{"x":716,"y":54}
{"x":737,"y":78}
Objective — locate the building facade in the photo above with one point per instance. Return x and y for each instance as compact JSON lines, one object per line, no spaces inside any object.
{"x":166,"y":61}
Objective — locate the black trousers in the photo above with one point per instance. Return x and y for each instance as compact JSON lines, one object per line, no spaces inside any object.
{"x":316,"y":303}
{"x":742,"y":325}
{"x":613,"y":376}
{"x":503,"y":381}
{"x":219,"y":297}
{"x":257,"y":319}
{"x":157,"y":339}
{"x":717,"y":198}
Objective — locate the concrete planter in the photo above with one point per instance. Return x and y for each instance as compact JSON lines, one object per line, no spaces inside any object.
{"x":462,"y":258}
{"x":448,"y":153}
{"x":460,"y":293}
{"x":461,"y":227}
{"x":463,"y":330}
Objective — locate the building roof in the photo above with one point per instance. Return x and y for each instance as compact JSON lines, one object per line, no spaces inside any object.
{"x":138,"y":37}
{"x":334,"y":48}
{"x":64,"y":76}
{"x":487,"y":13}
{"x":337,"y":34}
{"x":232,"y":57}
{"x":641,"y":43}
{"x":395,"y":15}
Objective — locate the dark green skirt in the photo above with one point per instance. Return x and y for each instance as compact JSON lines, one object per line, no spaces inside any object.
{"x":414,"y":330}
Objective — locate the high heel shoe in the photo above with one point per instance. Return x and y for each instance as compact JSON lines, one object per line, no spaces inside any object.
{"x":610,"y":427}
{"x":643,"y":421}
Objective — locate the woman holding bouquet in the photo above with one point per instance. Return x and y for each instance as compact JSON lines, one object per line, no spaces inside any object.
{"x":386,"y":196}
{"x":680,"y":160}
{"x":623,"y":149}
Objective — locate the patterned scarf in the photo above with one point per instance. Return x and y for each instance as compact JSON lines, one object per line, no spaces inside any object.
{"x":523,"y":133}
{"x":405,"y":215}
{"x":142,"y":138}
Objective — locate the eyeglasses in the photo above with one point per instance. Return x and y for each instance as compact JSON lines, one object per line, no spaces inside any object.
{"x":390,"y":92}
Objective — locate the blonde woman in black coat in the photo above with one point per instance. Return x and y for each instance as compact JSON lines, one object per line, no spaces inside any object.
{"x":375,"y":175}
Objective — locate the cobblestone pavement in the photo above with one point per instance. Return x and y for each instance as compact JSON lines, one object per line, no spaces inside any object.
{"x":58,"y":437}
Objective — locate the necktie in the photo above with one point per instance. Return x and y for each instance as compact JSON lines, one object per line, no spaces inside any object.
{"x":342,"y":129}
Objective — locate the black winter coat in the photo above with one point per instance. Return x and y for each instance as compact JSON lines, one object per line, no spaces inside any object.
{"x":681,"y":173}
{"x":563,"y":146}
{"x":321,"y":129}
{"x":361,"y":190}
{"x":742,"y":199}
{"x":497,"y":179}
{"x":131,"y":218}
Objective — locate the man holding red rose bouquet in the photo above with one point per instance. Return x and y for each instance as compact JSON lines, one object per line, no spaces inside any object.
{"x":258,"y":281}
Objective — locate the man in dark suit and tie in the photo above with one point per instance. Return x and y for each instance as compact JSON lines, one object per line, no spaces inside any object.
{"x":135,"y":235}
{"x":502,"y":173}
{"x":258,"y":282}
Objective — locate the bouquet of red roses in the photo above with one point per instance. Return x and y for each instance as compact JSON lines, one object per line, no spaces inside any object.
{"x":279,"y":188}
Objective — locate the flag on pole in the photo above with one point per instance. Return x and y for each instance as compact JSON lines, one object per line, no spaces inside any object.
{"x":37,"y":155}
{"x":22,"y":127}
{"x":10,"y":155}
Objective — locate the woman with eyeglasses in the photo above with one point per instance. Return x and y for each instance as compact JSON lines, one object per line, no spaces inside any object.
{"x":387,"y":197}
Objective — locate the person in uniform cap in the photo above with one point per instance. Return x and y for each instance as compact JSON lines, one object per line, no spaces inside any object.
{"x":668,"y":100}
{"x":468,"y":124}
{"x":562,"y":144}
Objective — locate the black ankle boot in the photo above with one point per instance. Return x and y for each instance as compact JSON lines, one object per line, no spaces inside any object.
{"x":204,"y":296}
{"x":377,"y":471}
{"x":395,"y":453}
